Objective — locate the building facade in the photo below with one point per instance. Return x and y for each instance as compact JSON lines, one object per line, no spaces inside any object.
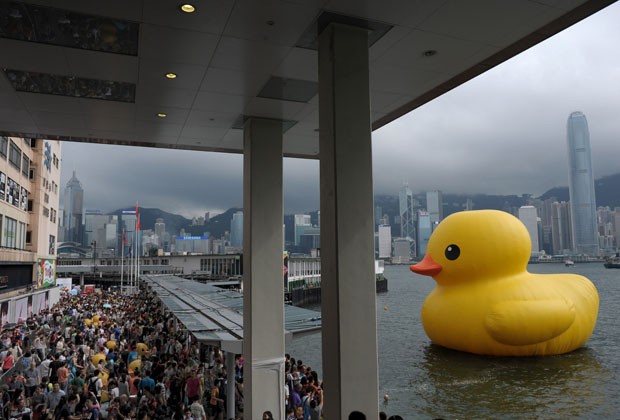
{"x":401,"y":250}
{"x":561,"y":230}
{"x":581,"y":186}
{"x":384,"y":239}
{"x":302,"y":223}
{"x":74,"y":211}
{"x":236,"y":230}
{"x":425,"y":228}
{"x":434,"y":206}
{"x":529,"y":217}
{"x":407,"y":216}
{"x":29,"y":200}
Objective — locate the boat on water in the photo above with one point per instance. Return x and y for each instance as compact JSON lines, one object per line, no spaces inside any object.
{"x":613,"y":262}
{"x":569,"y":263}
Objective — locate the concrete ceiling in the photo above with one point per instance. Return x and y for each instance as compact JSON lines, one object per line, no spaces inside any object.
{"x":236,"y":59}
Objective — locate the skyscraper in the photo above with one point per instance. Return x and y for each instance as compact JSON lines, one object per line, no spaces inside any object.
{"x":160,"y":231}
{"x":434,"y":206}
{"x":302,"y":223}
{"x":74,"y":208}
{"x":561,"y":230}
{"x":581,"y":186}
{"x":529,"y":217}
{"x":384,"y":237}
{"x":406,"y":212}
{"x":236,"y":230}
{"x":425,"y":228}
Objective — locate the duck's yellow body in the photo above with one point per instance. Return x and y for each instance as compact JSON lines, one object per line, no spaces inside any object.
{"x":486,"y":302}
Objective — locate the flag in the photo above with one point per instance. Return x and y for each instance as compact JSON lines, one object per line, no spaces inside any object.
{"x":137,"y":218}
{"x":124,"y":238}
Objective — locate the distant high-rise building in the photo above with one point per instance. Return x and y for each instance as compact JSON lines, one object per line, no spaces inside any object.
{"x":529,"y":217}
{"x":236,"y":230}
{"x":73,"y":211}
{"x":546,"y":216}
{"x":401,"y":251}
{"x":407,"y":215}
{"x":605,"y":217}
{"x":378,"y":215}
{"x":581,"y":186}
{"x":101,"y":230}
{"x":434,"y":206}
{"x":561,"y":231}
{"x":129,"y":236}
{"x":616,"y":226}
{"x":207,"y":217}
{"x":160,"y":230}
{"x":425,"y":228}
{"x":302,"y":223}
{"x":309,"y":240}
{"x":385,"y":241}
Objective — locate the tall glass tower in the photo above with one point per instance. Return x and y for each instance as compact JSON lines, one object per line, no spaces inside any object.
{"x":74,"y":208}
{"x":407,"y":216}
{"x":581,"y":186}
{"x":236,"y":230}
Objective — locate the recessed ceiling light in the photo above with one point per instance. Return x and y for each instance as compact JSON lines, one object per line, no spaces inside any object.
{"x":429,"y":53}
{"x":171,"y":75}
{"x":188,"y":8}
{"x":270,"y":22}
{"x":162,"y":115}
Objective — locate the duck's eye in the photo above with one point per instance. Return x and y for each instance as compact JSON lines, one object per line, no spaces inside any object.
{"x":453,"y":252}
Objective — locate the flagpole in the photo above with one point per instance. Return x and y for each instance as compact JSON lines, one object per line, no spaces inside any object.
{"x":140,"y":252}
{"x":122,"y":257}
{"x":137,"y":277}
{"x":135,"y":263}
{"x":131,"y":266}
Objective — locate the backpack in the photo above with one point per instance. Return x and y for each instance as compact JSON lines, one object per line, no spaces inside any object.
{"x":92,"y":385}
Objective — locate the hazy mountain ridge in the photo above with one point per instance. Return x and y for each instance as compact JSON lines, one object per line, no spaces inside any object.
{"x":607,"y":191}
{"x":607,"y":194}
{"x":216,"y":226}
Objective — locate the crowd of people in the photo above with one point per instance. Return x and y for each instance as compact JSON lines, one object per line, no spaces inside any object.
{"x":106,"y":355}
{"x":109,"y":356}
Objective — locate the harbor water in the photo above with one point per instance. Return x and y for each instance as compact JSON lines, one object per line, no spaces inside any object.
{"x":423,"y":380}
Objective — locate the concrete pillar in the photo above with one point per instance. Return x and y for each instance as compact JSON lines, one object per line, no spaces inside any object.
{"x":350,"y":366}
{"x":230,"y":385}
{"x":82,"y":282}
{"x":263,"y":291}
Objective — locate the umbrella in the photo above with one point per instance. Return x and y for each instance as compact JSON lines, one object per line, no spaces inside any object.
{"x":107,"y":305}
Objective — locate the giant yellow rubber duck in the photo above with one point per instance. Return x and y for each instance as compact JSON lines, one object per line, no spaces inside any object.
{"x":486,"y":302}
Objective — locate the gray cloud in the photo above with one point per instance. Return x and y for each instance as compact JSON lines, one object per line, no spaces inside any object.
{"x":502,"y":133}
{"x":505,"y":131}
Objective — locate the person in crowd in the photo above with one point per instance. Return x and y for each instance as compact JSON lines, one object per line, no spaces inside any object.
{"x":53,"y":398}
{"x":7,"y":361}
{"x":197,"y":409}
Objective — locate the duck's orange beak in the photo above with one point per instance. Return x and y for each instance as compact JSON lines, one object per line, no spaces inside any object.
{"x":426,"y":267}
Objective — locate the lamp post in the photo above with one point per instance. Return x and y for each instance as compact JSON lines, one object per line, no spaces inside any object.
{"x":93,"y":244}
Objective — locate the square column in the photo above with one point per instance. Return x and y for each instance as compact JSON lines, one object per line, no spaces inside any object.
{"x":263,"y":288}
{"x":349,"y":326}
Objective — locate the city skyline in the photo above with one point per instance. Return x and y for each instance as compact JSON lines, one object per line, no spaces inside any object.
{"x":501,"y":133}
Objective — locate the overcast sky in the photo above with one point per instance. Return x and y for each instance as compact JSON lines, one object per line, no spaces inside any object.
{"x":502,"y":133}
